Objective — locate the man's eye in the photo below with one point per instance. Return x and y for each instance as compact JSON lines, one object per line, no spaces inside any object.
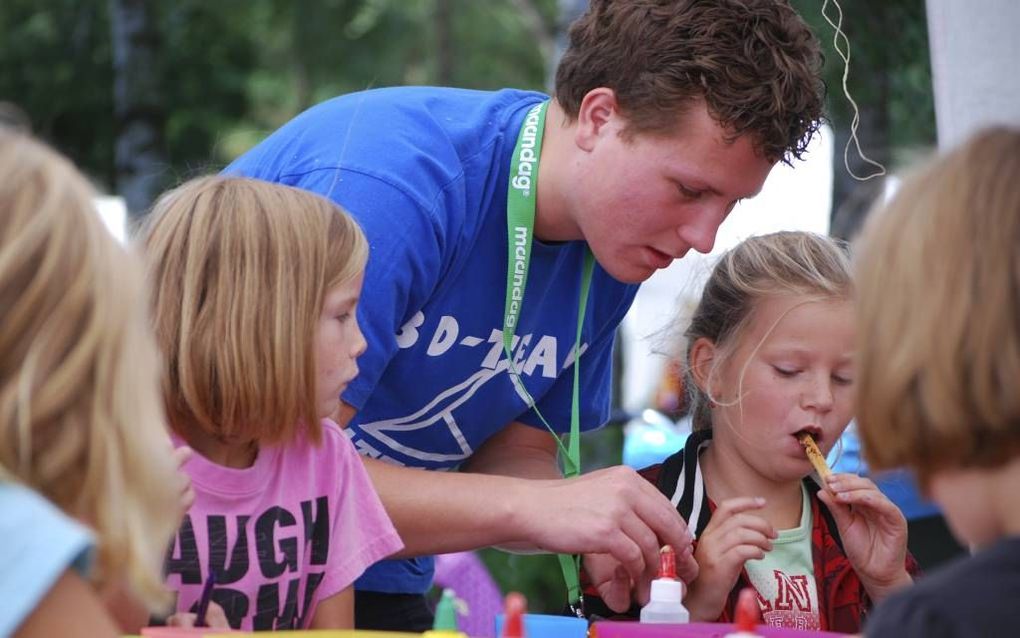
{"x":688,"y":192}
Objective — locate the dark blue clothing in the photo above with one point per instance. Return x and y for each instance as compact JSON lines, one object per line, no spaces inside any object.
{"x":973,"y":596}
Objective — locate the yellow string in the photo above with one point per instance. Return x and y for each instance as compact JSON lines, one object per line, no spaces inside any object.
{"x":844,"y":53}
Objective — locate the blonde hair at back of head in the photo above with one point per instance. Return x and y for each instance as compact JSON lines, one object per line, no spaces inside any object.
{"x":939,"y":313}
{"x":790,"y":263}
{"x":80,"y":416}
{"x":239,"y":269}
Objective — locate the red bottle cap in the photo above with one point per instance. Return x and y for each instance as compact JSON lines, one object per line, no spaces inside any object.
{"x":513,"y":622}
{"x":667,"y":562}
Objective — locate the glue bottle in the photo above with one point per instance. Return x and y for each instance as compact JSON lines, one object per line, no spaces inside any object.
{"x":445,"y":624}
{"x":513,"y":624}
{"x":665,"y":604}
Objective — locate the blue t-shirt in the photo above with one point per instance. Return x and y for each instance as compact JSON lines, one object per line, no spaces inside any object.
{"x":424,"y":171}
{"x":39,"y":543}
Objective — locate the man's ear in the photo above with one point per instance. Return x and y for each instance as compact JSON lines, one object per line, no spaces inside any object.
{"x":702,"y":359}
{"x":598,"y":116}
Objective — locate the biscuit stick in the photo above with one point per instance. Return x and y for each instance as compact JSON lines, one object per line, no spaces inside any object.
{"x":814,"y":455}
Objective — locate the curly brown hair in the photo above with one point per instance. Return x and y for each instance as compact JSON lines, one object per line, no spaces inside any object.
{"x":755,"y":63}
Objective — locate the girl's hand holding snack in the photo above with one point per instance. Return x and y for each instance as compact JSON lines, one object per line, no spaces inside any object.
{"x":215,"y":618}
{"x":873,"y":529}
{"x":733,"y":537}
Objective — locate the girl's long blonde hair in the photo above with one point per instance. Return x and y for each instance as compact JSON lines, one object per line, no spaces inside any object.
{"x":80,"y":415}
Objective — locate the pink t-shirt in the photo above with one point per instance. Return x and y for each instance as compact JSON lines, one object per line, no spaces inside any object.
{"x":298,"y":526}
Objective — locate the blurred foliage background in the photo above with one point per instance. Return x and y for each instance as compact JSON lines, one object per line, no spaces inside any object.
{"x":142,"y":94}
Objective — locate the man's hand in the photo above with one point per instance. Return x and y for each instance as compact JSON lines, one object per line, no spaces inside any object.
{"x":613,"y":583}
{"x":610,"y":579}
{"x":612,"y":511}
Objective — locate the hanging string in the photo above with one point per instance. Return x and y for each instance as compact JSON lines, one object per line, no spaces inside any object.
{"x":844,"y":53}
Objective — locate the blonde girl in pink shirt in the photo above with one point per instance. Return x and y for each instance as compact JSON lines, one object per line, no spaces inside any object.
{"x":255,"y":287}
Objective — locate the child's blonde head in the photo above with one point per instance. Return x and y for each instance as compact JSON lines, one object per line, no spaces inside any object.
{"x":239,"y":269}
{"x":780,"y":264}
{"x":80,"y":415}
{"x":939,"y":313}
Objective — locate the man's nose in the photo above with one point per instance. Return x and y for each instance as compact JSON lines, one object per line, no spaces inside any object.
{"x":700,"y":234}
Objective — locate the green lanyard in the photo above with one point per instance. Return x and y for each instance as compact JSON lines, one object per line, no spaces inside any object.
{"x":522,"y":192}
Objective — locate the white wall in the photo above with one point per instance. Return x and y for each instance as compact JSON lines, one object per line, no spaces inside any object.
{"x":975,"y":54}
{"x":793,"y":198}
{"x":114,"y":214}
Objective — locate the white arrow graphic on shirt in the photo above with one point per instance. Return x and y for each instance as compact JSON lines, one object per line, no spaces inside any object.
{"x":441,"y":410}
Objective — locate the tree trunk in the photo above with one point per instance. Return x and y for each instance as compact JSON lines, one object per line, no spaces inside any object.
{"x":139,"y":154}
{"x":444,"y":42}
{"x":302,"y":35}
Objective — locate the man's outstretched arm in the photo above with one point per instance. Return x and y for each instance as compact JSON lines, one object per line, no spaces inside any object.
{"x":511,"y":494}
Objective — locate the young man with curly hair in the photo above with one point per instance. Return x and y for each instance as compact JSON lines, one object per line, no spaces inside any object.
{"x":665,"y":114}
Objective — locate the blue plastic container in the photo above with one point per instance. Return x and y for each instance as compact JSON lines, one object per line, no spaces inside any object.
{"x":546,"y":626}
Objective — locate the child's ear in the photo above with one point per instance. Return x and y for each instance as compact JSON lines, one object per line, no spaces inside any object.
{"x":702,"y":358}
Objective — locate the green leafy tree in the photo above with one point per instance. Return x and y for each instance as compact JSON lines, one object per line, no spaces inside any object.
{"x":219,"y":76}
{"x":57,"y":69}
